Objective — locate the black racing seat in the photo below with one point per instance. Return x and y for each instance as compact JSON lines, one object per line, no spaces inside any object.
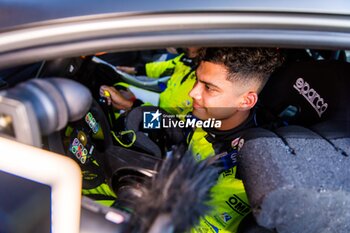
{"x":297,"y":180}
{"x":291,"y":55}
{"x":128,"y":170}
{"x":62,"y":67}
{"x":155,"y":142}
{"x":309,"y":92}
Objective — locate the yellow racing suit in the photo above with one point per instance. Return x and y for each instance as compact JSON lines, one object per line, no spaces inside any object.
{"x":174,"y":99}
{"x":229,"y":201}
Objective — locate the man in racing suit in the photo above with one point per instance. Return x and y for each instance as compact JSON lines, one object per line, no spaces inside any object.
{"x":174,"y":99}
{"x":227,"y":87}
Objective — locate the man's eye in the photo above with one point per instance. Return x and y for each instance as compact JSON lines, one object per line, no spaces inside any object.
{"x":208,"y":88}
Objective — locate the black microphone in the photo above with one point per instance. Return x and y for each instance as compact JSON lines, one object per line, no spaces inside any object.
{"x":177,"y":197}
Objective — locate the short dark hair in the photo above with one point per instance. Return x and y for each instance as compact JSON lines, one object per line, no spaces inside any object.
{"x":245,"y":64}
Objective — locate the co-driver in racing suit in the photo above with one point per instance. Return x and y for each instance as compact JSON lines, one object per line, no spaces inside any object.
{"x":174,"y":99}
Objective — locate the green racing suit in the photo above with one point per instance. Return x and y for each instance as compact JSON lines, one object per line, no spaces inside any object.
{"x":174,"y":99}
{"x":230,"y":202}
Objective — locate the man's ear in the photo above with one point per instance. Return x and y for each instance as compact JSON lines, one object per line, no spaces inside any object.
{"x":249,"y":100}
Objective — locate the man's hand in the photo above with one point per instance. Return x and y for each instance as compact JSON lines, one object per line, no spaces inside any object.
{"x":127,"y":69}
{"x":119,"y":100}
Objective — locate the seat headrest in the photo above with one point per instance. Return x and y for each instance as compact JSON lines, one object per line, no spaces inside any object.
{"x":308,"y":92}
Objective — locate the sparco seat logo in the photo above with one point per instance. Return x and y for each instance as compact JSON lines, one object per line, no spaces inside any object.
{"x":315,"y":100}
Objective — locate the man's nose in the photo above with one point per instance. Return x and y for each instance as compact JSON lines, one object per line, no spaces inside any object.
{"x":195,"y":93}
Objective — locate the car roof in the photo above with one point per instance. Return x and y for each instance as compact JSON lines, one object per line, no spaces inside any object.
{"x":33,"y":30}
{"x":17,"y":12}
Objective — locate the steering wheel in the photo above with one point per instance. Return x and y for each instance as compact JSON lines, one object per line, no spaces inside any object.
{"x":85,"y":141}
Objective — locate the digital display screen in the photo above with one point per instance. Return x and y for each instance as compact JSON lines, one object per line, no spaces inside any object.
{"x":25,"y":205}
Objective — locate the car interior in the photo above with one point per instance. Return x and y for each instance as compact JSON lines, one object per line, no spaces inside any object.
{"x":299,"y":152}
